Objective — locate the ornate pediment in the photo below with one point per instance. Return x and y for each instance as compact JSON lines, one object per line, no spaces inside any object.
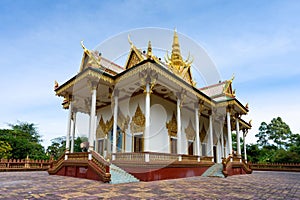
{"x":172,"y":126}
{"x":227,"y":90}
{"x":135,"y":56}
{"x":138,"y":121}
{"x":90,"y":58}
{"x":104,"y":127}
{"x":190,"y":132}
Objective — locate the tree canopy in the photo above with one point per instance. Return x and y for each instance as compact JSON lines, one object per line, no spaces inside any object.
{"x":22,"y":140}
{"x":276,"y":143}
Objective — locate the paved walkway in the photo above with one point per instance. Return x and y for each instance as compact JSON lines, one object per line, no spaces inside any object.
{"x":259,"y":185}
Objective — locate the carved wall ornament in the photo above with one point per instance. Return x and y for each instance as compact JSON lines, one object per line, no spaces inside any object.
{"x":172,"y":126}
{"x":190,"y":131}
{"x":104,"y":127}
{"x":138,"y":121}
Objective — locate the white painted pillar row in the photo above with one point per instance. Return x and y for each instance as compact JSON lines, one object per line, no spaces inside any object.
{"x":229,"y":139}
{"x":245,"y":149}
{"x":69,"y":128}
{"x":92,"y":121}
{"x":178,"y":125}
{"x":147,"y":119}
{"x":115,"y":125}
{"x":238,"y":145}
{"x":197,"y":128}
{"x":211,"y":144}
{"x":73,"y":132}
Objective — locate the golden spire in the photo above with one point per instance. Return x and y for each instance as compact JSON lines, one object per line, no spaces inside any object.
{"x":149,"y":50}
{"x":176,"y":58}
{"x":177,"y":64}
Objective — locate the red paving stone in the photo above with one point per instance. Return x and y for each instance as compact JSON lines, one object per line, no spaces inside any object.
{"x":259,"y":185}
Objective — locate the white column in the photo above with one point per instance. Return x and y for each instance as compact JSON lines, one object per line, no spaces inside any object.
{"x":238,"y":145}
{"x":92,"y":120}
{"x":69,"y":129}
{"x":147,"y":119}
{"x":73,"y":132}
{"x":222,"y":139}
{"x":95,"y":134}
{"x":211,"y":149}
{"x":245,"y":149}
{"x":115,"y":125}
{"x":178,"y":125}
{"x":197,"y":128}
{"x":229,"y":139}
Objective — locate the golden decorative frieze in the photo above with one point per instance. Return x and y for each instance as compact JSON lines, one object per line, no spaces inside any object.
{"x":167,"y":76}
{"x":172,"y":126}
{"x":138,"y":121}
{"x":79,"y":77}
{"x":190,"y":131}
{"x":104,"y":127}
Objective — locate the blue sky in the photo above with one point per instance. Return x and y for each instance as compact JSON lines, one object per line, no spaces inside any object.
{"x":258,"y":41}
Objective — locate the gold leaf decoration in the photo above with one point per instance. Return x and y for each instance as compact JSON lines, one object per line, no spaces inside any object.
{"x":190,"y":132}
{"x":172,"y":126}
{"x":138,"y":121}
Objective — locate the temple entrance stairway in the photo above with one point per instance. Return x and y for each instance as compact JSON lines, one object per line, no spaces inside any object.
{"x":214,"y":171}
{"x":118,"y":175}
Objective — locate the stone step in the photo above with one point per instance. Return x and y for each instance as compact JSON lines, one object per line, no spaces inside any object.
{"x":214,"y":171}
{"x":118,"y":175}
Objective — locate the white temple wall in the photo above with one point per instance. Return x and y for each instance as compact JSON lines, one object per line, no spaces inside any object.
{"x":161,"y":112}
{"x":186,"y":116}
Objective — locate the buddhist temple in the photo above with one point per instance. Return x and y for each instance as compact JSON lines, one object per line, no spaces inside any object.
{"x":148,"y":119}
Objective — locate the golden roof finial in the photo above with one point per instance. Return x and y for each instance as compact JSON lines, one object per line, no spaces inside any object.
{"x":149,"y":50}
{"x":232,"y":78}
{"x":129,"y":40}
{"x":250,"y":122}
{"x":247,"y":106}
{"x":55,"y":85}
{"x":176,"y":58}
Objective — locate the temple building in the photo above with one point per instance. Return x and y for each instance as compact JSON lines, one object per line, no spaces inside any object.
{"x":149,"y":119}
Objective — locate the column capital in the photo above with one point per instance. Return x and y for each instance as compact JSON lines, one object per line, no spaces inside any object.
{"x":237,"y":115}
{"x":116,"y":92}
{"x":229,"y":108}
{"x":92,"y":85}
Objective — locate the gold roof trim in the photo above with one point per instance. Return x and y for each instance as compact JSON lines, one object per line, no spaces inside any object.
{"x":79,"y":77}
{"x":169,"y":77}
{"x":230,"y":103}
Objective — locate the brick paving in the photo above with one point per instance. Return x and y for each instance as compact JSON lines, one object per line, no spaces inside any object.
{"x":259,"y":185}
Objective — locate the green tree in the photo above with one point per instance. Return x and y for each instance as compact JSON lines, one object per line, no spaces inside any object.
{"x":253,"y":152}
{"x":5,"y":150}
{"x":263,"y":136}
{"x":279,"y":132}
{"x":58,"y":146}
{"x":24,"y":140}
